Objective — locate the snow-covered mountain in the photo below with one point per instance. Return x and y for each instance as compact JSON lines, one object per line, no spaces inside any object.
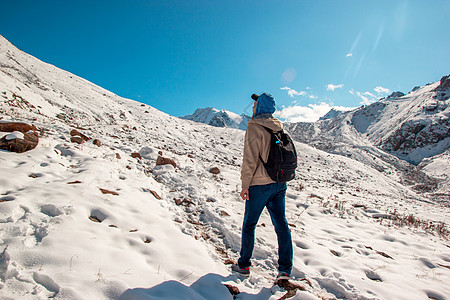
{"x":393,"y":135}
{"x":333,"y":113}
{"x":105,"y":221}
{"x":219,"y":118}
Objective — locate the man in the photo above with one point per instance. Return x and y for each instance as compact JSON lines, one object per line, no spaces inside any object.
{"x":259,"y":190}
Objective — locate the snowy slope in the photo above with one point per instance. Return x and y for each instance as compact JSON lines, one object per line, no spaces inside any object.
{"x":219,"y":118}
{"x":412,"y":127}
{"x":168,"y":231}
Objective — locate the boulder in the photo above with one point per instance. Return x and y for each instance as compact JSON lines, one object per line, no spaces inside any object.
{"x":30,"y":141}
{"x":234,"y":290}
{"x":97,"y":143}
{"x":214,"y":170}
{"x":77,"y":140}
{"x":16,"y":126}
{"x":76,"y":133}
{"x":165,"y":161}
{"x":136,"y":155}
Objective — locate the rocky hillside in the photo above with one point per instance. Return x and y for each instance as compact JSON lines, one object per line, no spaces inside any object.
{"x":219,"y":118}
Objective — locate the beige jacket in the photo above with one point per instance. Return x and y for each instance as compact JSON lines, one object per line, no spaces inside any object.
{"x":257,"y":141}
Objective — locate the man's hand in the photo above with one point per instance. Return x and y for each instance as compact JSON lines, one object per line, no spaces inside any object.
{"x":244,"y":195}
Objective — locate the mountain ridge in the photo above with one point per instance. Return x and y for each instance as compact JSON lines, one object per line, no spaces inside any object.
{"x":219,"y":118}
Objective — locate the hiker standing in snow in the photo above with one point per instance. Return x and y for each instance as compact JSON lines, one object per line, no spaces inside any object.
{"x":260,"y":190}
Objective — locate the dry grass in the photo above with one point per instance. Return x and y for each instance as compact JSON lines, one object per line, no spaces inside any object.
{"x":412,"y":221}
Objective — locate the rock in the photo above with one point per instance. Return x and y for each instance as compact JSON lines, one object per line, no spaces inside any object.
{"x":97,"y":143}
{"x":105,"y":191}
{"x":229,"y":261}
{"x":16,"y":126}
{"x":95,"y":219}
{"x":74,"y":182}
{"x":395,"y":95}
{"x":77,"y":140}
{"x":234,"y":290}
{"x":30,"y":141}
{"x":155,"y":194}
{"x":290,"y":287}
{"x":136,"y":155}
{"x":214,"y":170}
{"x":118,"y":156}
{"x":224,"y":213}
{"x":165,"y":161}
{"x":445,"y":83}
{"x":183,"y":202}
{"x":76,"y":133}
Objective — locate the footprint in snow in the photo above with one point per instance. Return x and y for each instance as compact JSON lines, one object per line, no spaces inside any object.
{"x":35,"y":175}
{"x":427,"y":263}
{"x":51,"y":210}
{"x":434,"y":295}
{"x":98,"y":215}
{"x":47,"y":282}
{"x":7,"y":198}
{"x":302,"y":245}
{"x":373,"y":276}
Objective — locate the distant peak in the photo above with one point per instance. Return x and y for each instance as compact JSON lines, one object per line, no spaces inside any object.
{"x":395,"y":95}
{"x":444,"y":83}
{"x":219,"y":118}
{"x":333,"y":113}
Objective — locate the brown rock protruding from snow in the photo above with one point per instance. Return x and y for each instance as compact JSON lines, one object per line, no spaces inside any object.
{"x":214,"y":170}
{"x":76,"y":133}
{"x":30,"y":137}
{"x":136,"y":155}
{"x":16,"y":126}
{"x":165,"y":161}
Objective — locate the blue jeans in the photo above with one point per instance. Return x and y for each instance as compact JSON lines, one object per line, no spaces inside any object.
{"x":271,"y":196}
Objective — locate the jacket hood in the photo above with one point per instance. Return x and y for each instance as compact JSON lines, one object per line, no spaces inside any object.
{"x":265,"y":105}
{"x":272,"y":123}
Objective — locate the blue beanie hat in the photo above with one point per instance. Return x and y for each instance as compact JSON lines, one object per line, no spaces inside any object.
{"x":265,"y":105}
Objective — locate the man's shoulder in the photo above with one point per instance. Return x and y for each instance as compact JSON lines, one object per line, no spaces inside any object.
{"x":272,"y":123}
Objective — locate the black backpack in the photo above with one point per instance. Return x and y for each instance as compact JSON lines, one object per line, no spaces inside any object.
{"x":282,"y":160}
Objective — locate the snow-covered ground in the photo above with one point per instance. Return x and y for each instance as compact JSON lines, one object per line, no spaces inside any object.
{"x":81,"y":221}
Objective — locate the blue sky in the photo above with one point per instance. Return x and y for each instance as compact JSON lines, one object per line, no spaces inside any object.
{"x":181,"y":55}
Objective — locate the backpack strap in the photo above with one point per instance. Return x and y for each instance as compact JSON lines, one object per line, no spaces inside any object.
{"x":270,"y":141}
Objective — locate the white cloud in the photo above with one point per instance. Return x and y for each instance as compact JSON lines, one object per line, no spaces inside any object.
{"x":367,"y":98}
{"x":382,"y":90}
{"x":332,"y":87}
{"x":369,"y":94}
{"x":349,"y":55}
{"x":292,"y":93}
{"x":310,"y":113}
